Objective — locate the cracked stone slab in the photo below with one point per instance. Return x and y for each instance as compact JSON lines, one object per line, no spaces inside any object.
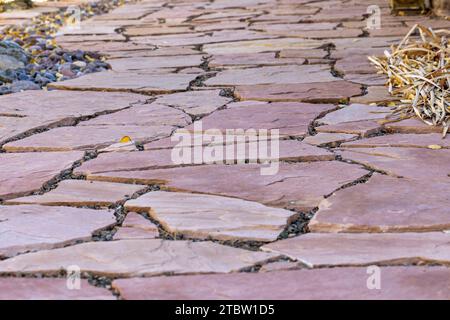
{"x":255,"y":46}
{"x":355,"y":112}
{"x":82,"y":193}
{"x":127,"y":81}
{"x":322,"y":92}
{"x":362,"y":128}
{"x":23,"y":173}
{"x":87,"y":137}
{"x":385,"y":204}
{"x":196,"y":103}
{"x":128,"y":258}
{"x":251,"y":59}
{"x":135,"y":226}
{"x":430,"y":140}
{"x":364,"y":249}
{"x":375,"y":94}
{"x":200,"y":216}
{"x":32,"y":227}
{"x":291,"y":118}
{"x":154,"y":64}
{"x":328,"y":284}
{"x":412,"y":125}
{"x":167,"y":157}
{"x":414,"y":163}
{"x":295,"y":185}
{"x":332,"y":139}
{"x":272,"y":75}
{"x":49,"y":289}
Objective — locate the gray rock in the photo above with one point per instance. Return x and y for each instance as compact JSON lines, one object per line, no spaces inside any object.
{"x":23,"y":85}
{"x":12,"y":56}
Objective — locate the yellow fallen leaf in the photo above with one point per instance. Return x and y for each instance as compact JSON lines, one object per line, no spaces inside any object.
{"x":434,"y":147}
{"x":125,"y":139}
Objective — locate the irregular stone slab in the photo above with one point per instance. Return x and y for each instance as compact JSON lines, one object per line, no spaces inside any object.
{"x":430,"y":140}
{"x":361,"y":128}
{"x":30,"y":227}
{"x":127,"y":81}
{"x":303,"y":53}
{"x":93,"y":37}
{"x":358,"y":249}
{"x":133,"y":234}
{"x":255,"y":46}
{"x":49,"y":289}
{"x":413,"y":163}
{"x":325,"y":92}
{"x":147,"y":30}
{"x":142,"y":115}
{"x":252,"y":59}
{"x":24,"y":173}
{"x":366,"y":79}
{"x":135,"y":220}
{"x":105,"y":47}
{"x":272,"y":75}
{"x":291,"y":118}
{"x":153,"y":64}
{"x":328,"y":283}
{"x":359,"y":64}
{"x":355,"y":112}
{"x":128,"y":258}
{"x":87,"y":137}
{"x":296,"y":185}
{"x":332,"y":139}
{"x":315,"y":34}
{"x":279,"y":266}
{"x":375,"y":94}
{"x":412,"y":125}
{"x":201,"y":216}
{"x":196,"y":103}
{"x":385,"y":204}
{"x":82,"y":193}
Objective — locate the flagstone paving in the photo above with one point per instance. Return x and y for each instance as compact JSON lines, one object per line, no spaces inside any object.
{"x":90,"y":177}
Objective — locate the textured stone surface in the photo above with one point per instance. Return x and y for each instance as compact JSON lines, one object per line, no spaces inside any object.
{"x":153,"y":64}
{"x":300,"y":185}
{"x":195,"y":103}
{"x":351,"y":249}
{"x":126,"y":258}
{"x":275,"y":75}
{"x":355,"y":112}
{"x":362,"y":128}
{"x":414,"y":163}
{"x":49,"y":289}
{"x":429,"y":140}
{"x":385,"y":204}
{"x":135,"y":226}
{"x":327,"y":283}
{"x":205,"y":216}
{"x":328,"y":92}
{"x":26,"y":172}
{"x":30,"y":227}
{"x":82,"y":193}
{"x":124,"y":81}
{"x":375,"y":94}
{"x":328,"y":138}
{"x":412,"y":125}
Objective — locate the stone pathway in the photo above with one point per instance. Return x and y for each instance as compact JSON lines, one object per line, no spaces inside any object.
{"x":351,"y":191}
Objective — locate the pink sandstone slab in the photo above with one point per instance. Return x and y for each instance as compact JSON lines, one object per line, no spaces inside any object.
{"x":355,"y":112}
{"x":295,"y":185}
{"x":322,"y":92}
{"x":149,"y":64}
{"x":82,"y":193}
{"x":127,"y":81}
{"x":196,"y":103}
{"x":414,"y":163}
{"x":252,"y":59}
{"x":128,"y":258}
{"x":290,"y":118}
{"x":49,"y":289}
{"x":361,"y":128}
{"x":385,"y":204}
{"x":359,"y":64}
{"x":328,"y":283}
{"x":430,"y":140}
{"x":199,"y":216}
{"x":365,"y":249}
{"x":24,"y":173}
{"x":366,"y":79}
{"x":134,"y":234}
{"x":375,"y":94}
{"x":31,"y":227}
{"x":87,"y":137}
{"x":135,"y":226}
{"x":332,"y":139}
{"x":272,"y":75}
{"x":412,"y":125}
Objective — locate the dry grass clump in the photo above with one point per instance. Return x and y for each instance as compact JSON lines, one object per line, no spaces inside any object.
{"x":418,"y":71}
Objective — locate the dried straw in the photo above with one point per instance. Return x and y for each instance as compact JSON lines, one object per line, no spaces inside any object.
{"x":419,"y":72}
